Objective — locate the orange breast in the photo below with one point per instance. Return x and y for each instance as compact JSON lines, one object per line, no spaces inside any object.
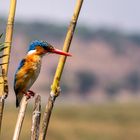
{"x":26,"y":76}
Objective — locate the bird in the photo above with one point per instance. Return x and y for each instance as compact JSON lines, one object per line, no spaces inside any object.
{"x":29,"y":68}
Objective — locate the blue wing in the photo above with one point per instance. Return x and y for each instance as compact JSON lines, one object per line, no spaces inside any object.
{"x":22,"y":62}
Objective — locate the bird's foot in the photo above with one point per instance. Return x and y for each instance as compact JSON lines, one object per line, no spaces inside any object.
{"x":29,"y":94}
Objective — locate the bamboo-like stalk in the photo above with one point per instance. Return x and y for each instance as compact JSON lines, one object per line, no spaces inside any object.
{"x":55,"y":85}
{"x":9,"y":34}
{"x":1,"y":111}
{"x":46,"y":118}
{"x":2,"y":100}
{"x":36,"y":119}
{"x":8,"y":41}
{"x":20,"y":118}
{"x":5,"y":59}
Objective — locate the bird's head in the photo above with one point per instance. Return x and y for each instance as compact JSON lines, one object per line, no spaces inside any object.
{"x":42,"y":47}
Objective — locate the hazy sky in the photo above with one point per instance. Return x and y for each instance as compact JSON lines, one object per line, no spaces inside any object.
{"x":124,"y":14}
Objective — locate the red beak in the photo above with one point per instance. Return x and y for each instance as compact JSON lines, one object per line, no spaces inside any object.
{"x":57,"y":51}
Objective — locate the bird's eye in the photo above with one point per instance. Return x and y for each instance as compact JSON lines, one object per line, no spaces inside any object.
{"x":50,"y":48}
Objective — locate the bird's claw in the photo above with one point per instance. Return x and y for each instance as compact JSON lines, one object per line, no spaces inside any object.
{"x":29,"y":94}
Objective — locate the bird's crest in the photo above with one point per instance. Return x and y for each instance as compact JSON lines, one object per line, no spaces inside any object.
{"x":37,"y":43}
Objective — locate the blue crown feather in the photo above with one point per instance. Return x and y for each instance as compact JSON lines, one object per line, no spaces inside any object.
{"x":37,"y":43}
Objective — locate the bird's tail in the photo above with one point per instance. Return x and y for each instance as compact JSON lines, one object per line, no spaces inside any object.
{"x":18,"y":99}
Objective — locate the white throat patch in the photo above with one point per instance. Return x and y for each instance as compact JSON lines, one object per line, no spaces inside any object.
{"x":31,"y":52}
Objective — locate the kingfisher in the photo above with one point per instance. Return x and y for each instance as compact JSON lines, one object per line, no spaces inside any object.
{"x":29,"y":68}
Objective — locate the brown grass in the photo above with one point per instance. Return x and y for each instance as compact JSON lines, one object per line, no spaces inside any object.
{"x":91,"y":122}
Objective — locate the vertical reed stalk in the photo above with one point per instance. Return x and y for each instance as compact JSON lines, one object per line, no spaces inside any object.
{"x":20,"y":118}
{"x":1,"y":111}
{"x":2,"y":99}
{"x":5,"y":59}
{"x":9,"y":34}
{"x":55,"y":85}
{"x":36,"y":119}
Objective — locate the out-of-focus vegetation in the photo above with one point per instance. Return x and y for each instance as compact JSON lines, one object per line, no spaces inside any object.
{"x":106,"y":60}
{"x":86,"y":81}
{"x":133,"y":81}
{"x":91,"y":122}
{"x":53,"y":30}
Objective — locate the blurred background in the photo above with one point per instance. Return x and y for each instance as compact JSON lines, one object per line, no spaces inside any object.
{"x":101,"y":82}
